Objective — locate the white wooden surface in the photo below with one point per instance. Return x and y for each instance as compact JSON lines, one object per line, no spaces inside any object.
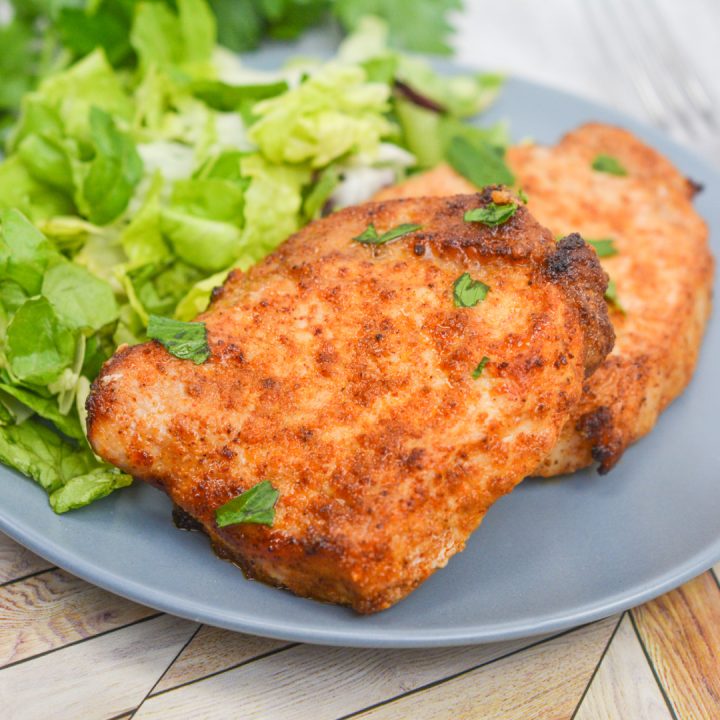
{"x":591,"y":47}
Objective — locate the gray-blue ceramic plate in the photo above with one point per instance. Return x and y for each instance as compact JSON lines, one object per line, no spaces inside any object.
{"x":552,"y":555}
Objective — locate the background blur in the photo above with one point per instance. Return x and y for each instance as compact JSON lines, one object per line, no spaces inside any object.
{"x":658,"y":60}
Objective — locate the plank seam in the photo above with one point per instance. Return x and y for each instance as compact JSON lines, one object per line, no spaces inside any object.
{"x":597,"y":667}
{"x":27,"y":577}
{"x":440,"y":681}
{"x":224,"y":670}
{"x":669,"y":704}
{"x":80,"y":640}
{"x":715,"y":575}
{"x":164,"y":672}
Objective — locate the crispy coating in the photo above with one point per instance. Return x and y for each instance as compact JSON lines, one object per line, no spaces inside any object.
{"x":663,"y":272}
{"x":342,"y":373}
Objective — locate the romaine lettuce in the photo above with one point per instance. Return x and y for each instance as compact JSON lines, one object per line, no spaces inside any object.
{"x":335,"y":111}
{"x":132,"y":191}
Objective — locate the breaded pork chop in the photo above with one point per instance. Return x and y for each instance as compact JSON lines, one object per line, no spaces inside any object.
{"x":345,"y":375}
{"x":663,"y":271}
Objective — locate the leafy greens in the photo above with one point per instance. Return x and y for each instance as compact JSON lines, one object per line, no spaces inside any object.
{"x":146,"y":163}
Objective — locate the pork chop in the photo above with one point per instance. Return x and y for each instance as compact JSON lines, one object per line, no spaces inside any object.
{"x":388,"y":418}
{"x":663,"y":272}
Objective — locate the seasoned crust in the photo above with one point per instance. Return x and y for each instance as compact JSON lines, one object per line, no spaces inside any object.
{"x":343,"y":373}
{"x":575,"y":266}
{"x":663,"y":273}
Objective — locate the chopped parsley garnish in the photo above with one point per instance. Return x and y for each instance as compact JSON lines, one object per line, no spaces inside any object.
{"x":608,"y":164}
{"x":491,"y":215}
{"x":481,"y":163}
{"x":468,"y":292}
{"x":256,"y":505}
{"x":184,"y":340}
{"x":523,"y":196}
{"x":611,"y":295}
{"x":477,"y":372}
{"x":604,"y":247}
{"x":370,"y":236}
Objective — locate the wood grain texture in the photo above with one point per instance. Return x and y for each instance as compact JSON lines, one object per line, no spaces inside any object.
{"x":211,"y":651}
{"x":17,"y":561}
{"x":53,"y":609}
{"x":624,"y":686}
{"x":681,"y":633}
{"x":315,"y":682}
{"x":99,"y":678}
{"x":545,"y":682}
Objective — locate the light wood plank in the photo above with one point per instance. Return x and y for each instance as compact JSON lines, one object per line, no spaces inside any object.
{"x":681,"y":633}
{"x":211,"y":651}
{"x":624,"y":686}
{"x":53,"y":609}
{"x":99,"y":678}
{"x":321,"y":683}
{"x":545,"y":682}
{"x":17,"y":561}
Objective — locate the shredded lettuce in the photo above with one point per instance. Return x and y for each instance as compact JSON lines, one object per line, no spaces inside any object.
{"x":333,"y":112}
{"x":70,"y":475}
{"x":146,"y":164}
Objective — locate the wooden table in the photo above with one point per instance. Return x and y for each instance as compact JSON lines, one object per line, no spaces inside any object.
{"x":69,"y":650}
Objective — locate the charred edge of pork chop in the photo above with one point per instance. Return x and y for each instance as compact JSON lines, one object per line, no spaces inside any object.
{"x":576,"y":267}
{"x":309,"y":563}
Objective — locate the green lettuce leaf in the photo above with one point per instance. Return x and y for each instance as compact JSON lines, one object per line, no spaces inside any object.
{"x":19,"y":190}
{"x":165,"y":38}
{"x":114,"y":172}
{"x":38,"y":345}
{"x":272,"y":204}
{"x":226,"y":98}
{"x":418,"y":25}
{"x":458,"y":95}
{"x":103,"y":23}
{"x":35,"y":450}
{"x":156,"y":288}
{"x":70,"y":474}
{"x":80,"y":299}
{"x":81,"y":490}
{"x":197,"y":298}
{"x":89,"y":83}
{"x":47,"y":408}
{"x":479,"y":162}
{"x":333,"y":112}
{"x":24,"y":252}
{"x":142,"y":240}
{"x":48,"y":161}
{"x":209,"y":245}
{"x":210,"y":198}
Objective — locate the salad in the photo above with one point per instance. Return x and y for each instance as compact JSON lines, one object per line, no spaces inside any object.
{"x":131,"y":190}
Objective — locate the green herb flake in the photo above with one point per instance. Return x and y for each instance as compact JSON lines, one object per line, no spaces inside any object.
{"x":604,"y":247}
{"x":468,"y":292}
{"x":184,"y":340}
{"x":256,"y":505}
{"x":492,"y":214}
{"x":370,"y":236}
{"x":477,"y":372}
{"x":523,"y":196}
{"x":608,"y":164}
{"x":480,"y":162}
{"x":611,"y":295}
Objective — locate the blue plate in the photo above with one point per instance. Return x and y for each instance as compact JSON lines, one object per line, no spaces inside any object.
{"x":552,"y":555}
